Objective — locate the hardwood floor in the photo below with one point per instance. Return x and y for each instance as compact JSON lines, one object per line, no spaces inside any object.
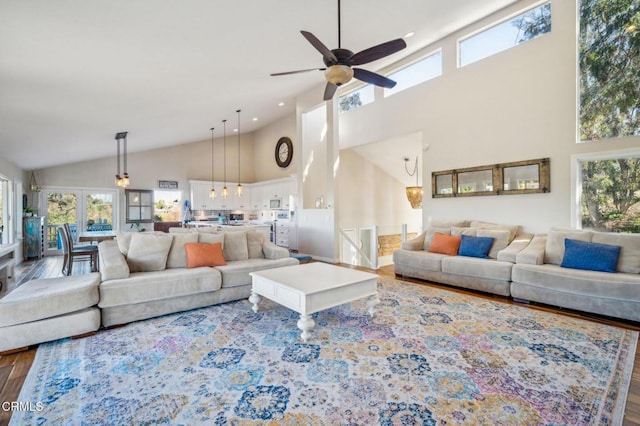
{"x":14,"y":367}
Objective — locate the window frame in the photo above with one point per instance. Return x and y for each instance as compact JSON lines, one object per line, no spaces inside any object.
{"x":140,"y":192}
{"x":493,"y":24}
{"x":576,"y":177}
{"x":424,"y":57}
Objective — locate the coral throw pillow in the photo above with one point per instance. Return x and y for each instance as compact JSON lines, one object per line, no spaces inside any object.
{"x":203,"y":254}
{"x":445,"y":244}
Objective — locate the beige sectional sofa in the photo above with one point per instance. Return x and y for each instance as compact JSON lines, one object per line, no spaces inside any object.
{"x":492,"y":275}
{"x":144,"y":275}
{"x":538,"y":276}
{"x":529,"y":269}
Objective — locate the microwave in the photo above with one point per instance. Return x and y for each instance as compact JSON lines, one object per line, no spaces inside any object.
{"x":275,"y":203}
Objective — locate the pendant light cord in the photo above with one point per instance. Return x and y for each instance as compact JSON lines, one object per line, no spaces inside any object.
{"x":238,"y":111}
{"x":224,"y":151}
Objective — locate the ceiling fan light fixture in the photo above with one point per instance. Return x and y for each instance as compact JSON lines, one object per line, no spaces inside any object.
{"x":339,"y":74}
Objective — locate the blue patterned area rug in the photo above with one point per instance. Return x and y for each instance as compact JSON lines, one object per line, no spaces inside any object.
{"x":428,"y":357}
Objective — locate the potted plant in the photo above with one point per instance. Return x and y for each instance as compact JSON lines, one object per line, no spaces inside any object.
{"x":29,"y":211}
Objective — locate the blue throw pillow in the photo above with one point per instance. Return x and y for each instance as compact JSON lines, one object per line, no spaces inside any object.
{"x":475,"y":246}
{"x":590,"y":256}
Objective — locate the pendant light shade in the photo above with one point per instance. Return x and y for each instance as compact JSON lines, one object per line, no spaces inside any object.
{"x":122,"y":180}
{"x":414,"y":193}
{"x":225,"y":190}
{"x":212,"y":193}
{"x":239,"y":187}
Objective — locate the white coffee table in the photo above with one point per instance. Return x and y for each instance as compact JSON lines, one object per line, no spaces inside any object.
{"x":313,"y":287}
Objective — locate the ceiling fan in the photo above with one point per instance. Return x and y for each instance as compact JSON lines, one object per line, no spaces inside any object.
{"x":339,"y":62}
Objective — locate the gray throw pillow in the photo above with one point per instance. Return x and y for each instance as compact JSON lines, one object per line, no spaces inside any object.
{"x":235,"y":246}
{"x":148,"y":252}
{"x":177,"y":254}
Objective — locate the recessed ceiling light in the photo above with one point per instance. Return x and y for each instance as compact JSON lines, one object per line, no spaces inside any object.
{"x":255,"y":118}
{"x":235,"y":130}
{"x":281,"y":104}
{"x":409,"y":34}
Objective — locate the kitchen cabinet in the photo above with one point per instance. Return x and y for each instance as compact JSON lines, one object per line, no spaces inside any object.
{"x":200,"y":199}
{"x":242,"y":202}
{"x":282,"y":234}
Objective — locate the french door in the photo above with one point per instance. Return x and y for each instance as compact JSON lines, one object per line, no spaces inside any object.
{"x":83,"y":209}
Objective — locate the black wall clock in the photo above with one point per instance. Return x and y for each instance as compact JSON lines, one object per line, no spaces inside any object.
{"x":284,"y":152}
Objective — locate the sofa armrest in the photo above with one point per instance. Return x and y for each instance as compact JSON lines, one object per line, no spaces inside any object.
{"x":519,"y":243}
{"x":415,"y":244}
{"x":113,"y":264}
{"x":273,"y":252}
{"x":533,"y":254}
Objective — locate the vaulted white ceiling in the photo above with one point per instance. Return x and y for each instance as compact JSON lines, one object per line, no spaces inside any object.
{"x":73,"y":73}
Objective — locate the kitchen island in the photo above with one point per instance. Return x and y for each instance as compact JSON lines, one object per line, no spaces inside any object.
{"x":240,"y":226}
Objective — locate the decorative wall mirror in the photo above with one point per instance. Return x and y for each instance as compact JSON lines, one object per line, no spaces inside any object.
{"x":520,"y":177}
{"x":139,"y":205}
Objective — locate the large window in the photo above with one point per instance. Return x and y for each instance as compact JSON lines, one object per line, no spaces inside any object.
{"x":416,"y":73}
{"x":167,"y":206}
{"x":609,"y":68}
{"x":610,"y":193}
{"x":524,"y":27}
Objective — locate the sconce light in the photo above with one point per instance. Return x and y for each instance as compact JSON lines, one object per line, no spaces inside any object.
{"x":122,"y":181}
{"x":414,"y":193}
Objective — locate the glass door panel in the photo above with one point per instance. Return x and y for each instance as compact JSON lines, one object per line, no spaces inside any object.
{"x":61,"y":207}
{"x":83,"y":210}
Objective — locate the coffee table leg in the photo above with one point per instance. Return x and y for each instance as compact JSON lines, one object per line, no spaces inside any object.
{"x":372,"y":302}
{"x":255,"y":299}
{"x":305,"y":323}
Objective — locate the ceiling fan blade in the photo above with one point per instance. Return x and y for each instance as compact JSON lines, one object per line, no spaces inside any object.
{"x":377,"y":52}
{"x":329,"y":91}
{"x":320,"y":47}
{"x":373,"y":78}
{"x":296,"y":72}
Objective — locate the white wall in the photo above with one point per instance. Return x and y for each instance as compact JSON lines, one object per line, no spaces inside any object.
{"x":264,"y":145}
{"x":367,"y":196}
{"x":517,"y":105}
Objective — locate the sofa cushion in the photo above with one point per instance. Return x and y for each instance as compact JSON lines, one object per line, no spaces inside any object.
{"x":475,"y":246}
{"x":550,"y":277}
{"x":235,"y":246}
{"x":237,"y":273}
{"x":445,"y":244}
{"x":179,"y":230}
{"x":50,"y":297}
{"x":500,"y":240}
{"x":431,"y":231}
{"x":513,"y":229}
{"x":203,"y":254}
{"x":211,"y":237}
{"x":479,"y":268}
{"x":177,"y":254}
{"x":255,"y":241}
{"x":113,"y":264}
{"x":148,"y":252}
{"x":456,"y":230}
{"x":554,"y":250}
{"x":124,"y":240}
{"x":590,"y":256}
{"x":629,"y":259}
{"x":143,"y":287}
{"x":419,"y":259}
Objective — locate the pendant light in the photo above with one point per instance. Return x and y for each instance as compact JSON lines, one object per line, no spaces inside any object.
{"x":212,"y":193}
{"x":239,"y":187}
{"x":225,"y":190}
{"x":122,"y":181}
{"x":414,"y":193}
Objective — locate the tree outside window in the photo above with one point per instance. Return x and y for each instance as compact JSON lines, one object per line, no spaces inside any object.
{"x":611,"y":195}
{"x":609,"y":68}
